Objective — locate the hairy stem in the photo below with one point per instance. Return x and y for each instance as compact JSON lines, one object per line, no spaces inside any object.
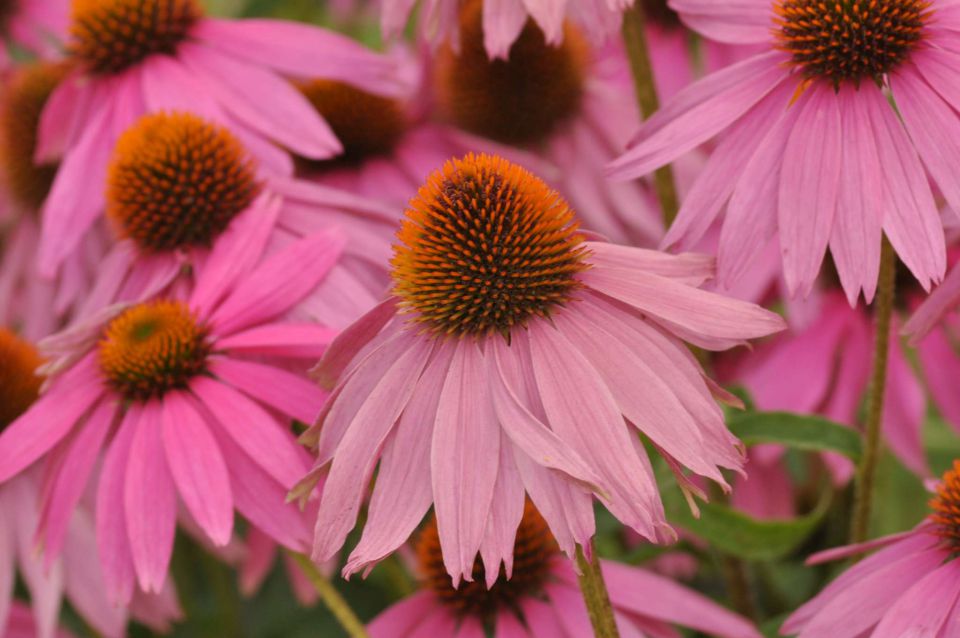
{"x":331,"y":598}
{"x":635,"y":41}
{"x":595,"y":595}
{"x":866,"y":472}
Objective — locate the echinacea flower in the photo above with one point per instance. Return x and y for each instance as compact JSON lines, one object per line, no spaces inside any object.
{"x":143,"y":56}
{"x":910,"y":587}
{"x":503,"y":20}
{"x":568,"y":104}
{"x":76,"y":573}
{"x":35,"y":306}
{"x":814,"y":154}
{"x":189,"y":395}
{"x":541,"y":599}
{"x":514,"y":356}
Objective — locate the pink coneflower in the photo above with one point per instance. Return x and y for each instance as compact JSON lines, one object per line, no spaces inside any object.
{"x":142,"y":56}
{"x":34,"y":306}
{"x":190,"y":395}
{"x":542,"y":598}
{"x":76,"y":572}
{"x":908,"y":588}
{"x":500,"y":365}
{"x":815,"y":155}
{"x":22,"y":624}
{"x":503,"y":20}
{"x":567,"y":104}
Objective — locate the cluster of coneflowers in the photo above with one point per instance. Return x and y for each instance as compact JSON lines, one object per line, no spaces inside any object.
{"x":473,"y":300}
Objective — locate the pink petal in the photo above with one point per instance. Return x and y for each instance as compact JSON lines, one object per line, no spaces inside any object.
{"x":271,"y":290}
{"x":941,"y":367}
{"x":506,"y":511}
{"x":698,"y":113}
{"x":298,"y":340}
{"x":254,"y":430}
{"x":692,"y":269}
{"x":50,"y":418}
{"x":113,"y":543}
{"x":402,"y":618}
{"x":197,"y":467}
{"x":289,"y":393}
{"x":351,"y":340}
{"x":72,"y":476}
{"x":403,"y":492}
{"x":904,"y":410}
{"x":150,"y":501}
{"x":84,"y":582}
{"x":941,"y":301}
{"x":732,"y":21}
{"x":923,"y":608}
{"x":463,"y":459}
{"x":359,"y":450}
{"x":541,"y":618}
{"x":66,"y":114}
{"x":502,"y":22}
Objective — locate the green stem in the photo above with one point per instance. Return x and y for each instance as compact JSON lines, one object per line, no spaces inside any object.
{"x":635,"y":41}
{"x":331,"y":598}
{"x":866,"y":472}
{"x":595,"y":595}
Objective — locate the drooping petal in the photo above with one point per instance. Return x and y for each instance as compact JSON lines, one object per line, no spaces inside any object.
{"x":287,"y":392}
{"x":197,"y":467}
{"x":113,"y":544}
{"x":506,"y":511}
{"x":941,"y":368}
{"x":350,"y":341}
{"x":502,"y":22}
{"x":941,"y":301}
{"x":732,"y":21}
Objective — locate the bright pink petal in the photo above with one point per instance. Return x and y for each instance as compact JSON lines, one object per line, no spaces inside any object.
{"x":541,"y":618}
{"x":299,"y":340}
{"x":50,"y":418}
{"x":287,"y":392}
{"x":402,"y":618}
{"x":113,"y":543}
{"x":197,"y":467}
{"x":904,"y":410}
{"x":252,"y":429}
{"x":273,"y":288}
{"x":941,"y":368}
{"x":698,"y":113}
{"x":150,"y":501}
{"x":358,"y":451}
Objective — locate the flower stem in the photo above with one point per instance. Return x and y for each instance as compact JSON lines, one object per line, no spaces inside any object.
{"x":635,"y":41}
{"x":866,"y":472}
{"x":331,"y":597}
{"x":595,"y":595}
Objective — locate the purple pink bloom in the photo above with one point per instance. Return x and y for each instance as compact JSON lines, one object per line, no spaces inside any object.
{"x":813,"y":155}
{"x":191,"y":397}
{"x":515,"y":357}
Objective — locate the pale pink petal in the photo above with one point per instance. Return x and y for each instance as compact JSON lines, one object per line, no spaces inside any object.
{"x":72,"y":475}
{"x":112,"y":540}
{"x":350,"y":341}
{"x":403,"y":492}
{"x":696,"y":310}
{"x":766,"y":492}
{"x":941,"y":368}
{"x":303,"y":50}
{"x":904,"y":411}
{"x":299,"y":340}
{"x":402,"y":618}
{"x":45,"y":584}
{"x":698,"y":113}
{"x":84,"y":582}
{"x":285,"y":391}
{"x":923,"y":608}
{"x":731,"y":21}
{"x":51,"y":417}
{"x":358,"y":450}
{"x":272,"y":288}
{"x":941,"y":301}
{"x":256,"y":432}
{"x":692,"y":269}
{"x":263,"y":101}
{"x":506,"y":511}
{"x":568,"y":606}
{"x":548,"y":14}
{"x":150,"y":501}
{"x":197,"y":467}
{"x":502,"y":22}
{"x":541,"y":618}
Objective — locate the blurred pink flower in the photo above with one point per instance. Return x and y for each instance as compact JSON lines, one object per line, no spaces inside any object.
{"x":22,"y":624}
{"x":39,"y":26}
{"x":542,"y":599}
{"x":908,"y":588}
{"x":815,"y":156}
{"x":527,"y":353}
{"x":189,"y":395}
{"x":232,"y":72}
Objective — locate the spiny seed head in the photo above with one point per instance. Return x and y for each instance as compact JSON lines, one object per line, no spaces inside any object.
{"x":152,"y":348}
{"x":849,"y":40}
{"x":366,"y":124}
{"x":533,"y":551}
{"x":486,"y":246}
{"x":946,"y":508}
{"x":177,"y":181}
{"x":108,"y":36}
{"x":24,"y":97}
{"x":520,"y":100}
{"x":19,"y":383}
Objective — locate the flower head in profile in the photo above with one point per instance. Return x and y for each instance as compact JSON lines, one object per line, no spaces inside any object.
{"x":541,"y":597}
{"x":132,"y":57}
{"x":191,"y":397}
{"x":515,"y":356}
{"x":908,"y":588}
{"x":814,"y":155}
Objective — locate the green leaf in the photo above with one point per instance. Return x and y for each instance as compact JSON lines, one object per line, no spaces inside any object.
{"x":801,"y":432}
{"x":743,"y":536}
